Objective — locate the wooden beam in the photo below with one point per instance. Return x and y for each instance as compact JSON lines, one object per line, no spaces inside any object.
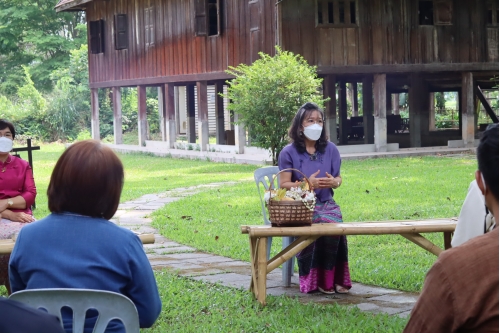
{"x":261,"y":270}
{"x":329,"y":91}
{"x":486,"y":104}
{"x":468,"y":109}
{"x":191,"y":122}
{"x":219,"y":113}
{"x":201,"y":88}
{"x":380,"y":111}
{"x":94,"y":120}
{"x":289,"y":252}
{"x":343,"y":125}
{"x":423,"y":243}
{"x":169,"y":114}
{"x":368,"y":125}
{"x":409,"y":68}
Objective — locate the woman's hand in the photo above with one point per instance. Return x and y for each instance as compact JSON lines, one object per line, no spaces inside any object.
{"x":315,"y":181}
{"x":329,"y":181}
{"x":17,"y":216}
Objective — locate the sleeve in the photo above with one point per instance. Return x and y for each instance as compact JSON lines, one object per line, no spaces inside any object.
{"x":434,"y":310}
{"x":16,"y":282}
{"x":285,"y":159}
{"x":142,"y":288}
{"x":29,"y":188}
{"x":336,"y":161}
{"x":470,"y":222}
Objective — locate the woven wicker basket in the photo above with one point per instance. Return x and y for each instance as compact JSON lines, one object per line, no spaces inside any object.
{"x":289,"y":213}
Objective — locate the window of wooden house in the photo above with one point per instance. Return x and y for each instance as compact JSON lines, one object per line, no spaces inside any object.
{"x":149,"y":27}
{"x":492,"y":13}
{"x":207,"y":17}
{"x":336,"y":13}
{"x":425,"y":13}
{"x":436,"y":12}
{"x":121,"y":32}
{"x":96,"y":29}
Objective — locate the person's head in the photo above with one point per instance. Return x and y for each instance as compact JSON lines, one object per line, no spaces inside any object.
{"x":87,"y":180}
{"x":7,"y":135}
{"x":308,"y":114}
{"x":487,"y":173}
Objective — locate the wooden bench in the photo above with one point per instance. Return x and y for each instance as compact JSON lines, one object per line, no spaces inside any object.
{"x":411,"y":230}
{"x":6,"y":245}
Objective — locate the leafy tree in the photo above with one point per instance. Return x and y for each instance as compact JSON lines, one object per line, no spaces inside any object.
{"x":34,"y":35}
{"x":267,"y":94}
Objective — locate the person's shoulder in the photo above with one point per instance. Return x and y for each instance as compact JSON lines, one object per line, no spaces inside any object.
{"x":484,"y":246}
{"x":19,"y":161}
{"x":289,"y":147}
{"x":332,"y":147}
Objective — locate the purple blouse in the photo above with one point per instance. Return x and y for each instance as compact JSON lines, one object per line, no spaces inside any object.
{"x":329,"y":161}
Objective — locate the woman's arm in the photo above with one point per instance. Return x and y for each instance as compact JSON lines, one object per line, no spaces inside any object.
{"x":17,"y":203}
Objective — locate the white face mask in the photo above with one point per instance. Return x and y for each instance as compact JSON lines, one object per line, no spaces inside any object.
{"x":5,"y":144}
{"x":313,"y":132}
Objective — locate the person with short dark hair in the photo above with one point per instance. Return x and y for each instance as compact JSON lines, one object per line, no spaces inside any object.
{"x":17,"y":193}
{"x":76,"y":246}
{"x":323,"y":265}
{"x":16,"y":317}
{"x":460,"y":292}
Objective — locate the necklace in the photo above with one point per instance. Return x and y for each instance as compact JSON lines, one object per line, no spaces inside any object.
{"x":313,"y":156}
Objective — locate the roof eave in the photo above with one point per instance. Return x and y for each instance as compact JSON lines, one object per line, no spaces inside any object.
{"x":76,"y":5}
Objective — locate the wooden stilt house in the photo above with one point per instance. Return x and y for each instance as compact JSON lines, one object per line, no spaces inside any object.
{"x":388,"y":46}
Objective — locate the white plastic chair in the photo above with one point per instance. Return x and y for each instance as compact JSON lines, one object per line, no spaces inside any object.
{"x":110,"y":305}
{"x":264,"y":176}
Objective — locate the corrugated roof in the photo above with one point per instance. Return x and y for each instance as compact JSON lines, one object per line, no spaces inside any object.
{"x":70,"y":5}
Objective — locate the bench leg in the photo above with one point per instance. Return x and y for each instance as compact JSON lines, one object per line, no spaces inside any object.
{"x":261,"y":270}
{"x":423,"y":243}
{"x":253,"y":264}
{"x":447,"y":240}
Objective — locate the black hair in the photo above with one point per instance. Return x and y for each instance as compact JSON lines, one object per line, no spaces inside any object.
{"x":296,"y":131}
{"x":487,"y":158}
{"x":4,"y":124}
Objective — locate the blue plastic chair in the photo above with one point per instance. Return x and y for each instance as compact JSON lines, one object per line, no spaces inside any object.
{"x":110,"y":305}
{"x":263,"y":177}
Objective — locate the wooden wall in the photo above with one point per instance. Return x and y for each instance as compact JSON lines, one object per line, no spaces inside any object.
{"x":388,"y":33}
{"x":247,"y":27}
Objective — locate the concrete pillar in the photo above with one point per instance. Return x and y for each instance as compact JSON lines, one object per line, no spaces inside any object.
{"x":201,"y":87}
{"x":220,"y":138}
{"x":329,"y":91}
{"x":191,"y":121}
{"x":395,"y":104}
{"x":169,"y":114}
{"x":343,"y":125}
{"x":380,"y":110}
{"x":161,"y":112}
{"x":239,"y":135}
{"x":368,"y":110}
{"x":432,"y":112}
{"x":94,"y":120}
{"x":117,"y":116}
{"x":142,"y":120}
{"x":468,"y":109}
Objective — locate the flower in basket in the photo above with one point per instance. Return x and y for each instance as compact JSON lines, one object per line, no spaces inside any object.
{"x":299,"y":193}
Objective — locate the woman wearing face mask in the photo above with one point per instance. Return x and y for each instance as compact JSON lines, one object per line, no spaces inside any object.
{"x":17,"y":193}
{"x":323,"y":265}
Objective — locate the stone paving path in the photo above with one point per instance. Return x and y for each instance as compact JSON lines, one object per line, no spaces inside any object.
{"x":190,"y":262}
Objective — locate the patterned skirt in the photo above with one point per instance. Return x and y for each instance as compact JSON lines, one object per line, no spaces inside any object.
{"x":7,"y":230}
{"x":324,"y":263}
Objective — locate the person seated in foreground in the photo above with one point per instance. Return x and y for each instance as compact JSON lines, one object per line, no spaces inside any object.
{"x":17,"y":194}
{"x":16,"y":317}
{"x":460,"y":292}
{"x":76,"y":246}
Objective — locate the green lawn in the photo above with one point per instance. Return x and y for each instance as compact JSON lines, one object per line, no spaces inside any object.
{"x":374,"y":189}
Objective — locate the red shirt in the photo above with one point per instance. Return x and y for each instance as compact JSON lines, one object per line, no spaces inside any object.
{"x":16,"y":178}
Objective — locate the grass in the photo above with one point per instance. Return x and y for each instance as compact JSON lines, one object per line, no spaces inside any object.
{"x":192,"y":306}
{"x":372,"y":190}
{"x":381,"y":189}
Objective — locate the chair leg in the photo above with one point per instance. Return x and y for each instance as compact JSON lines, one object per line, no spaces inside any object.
{"x":287,"y":268}
{"x":269,"y":243}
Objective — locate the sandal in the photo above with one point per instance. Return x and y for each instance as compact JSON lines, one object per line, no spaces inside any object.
{"x":341,"y":290}
{"x":328,"y":292}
